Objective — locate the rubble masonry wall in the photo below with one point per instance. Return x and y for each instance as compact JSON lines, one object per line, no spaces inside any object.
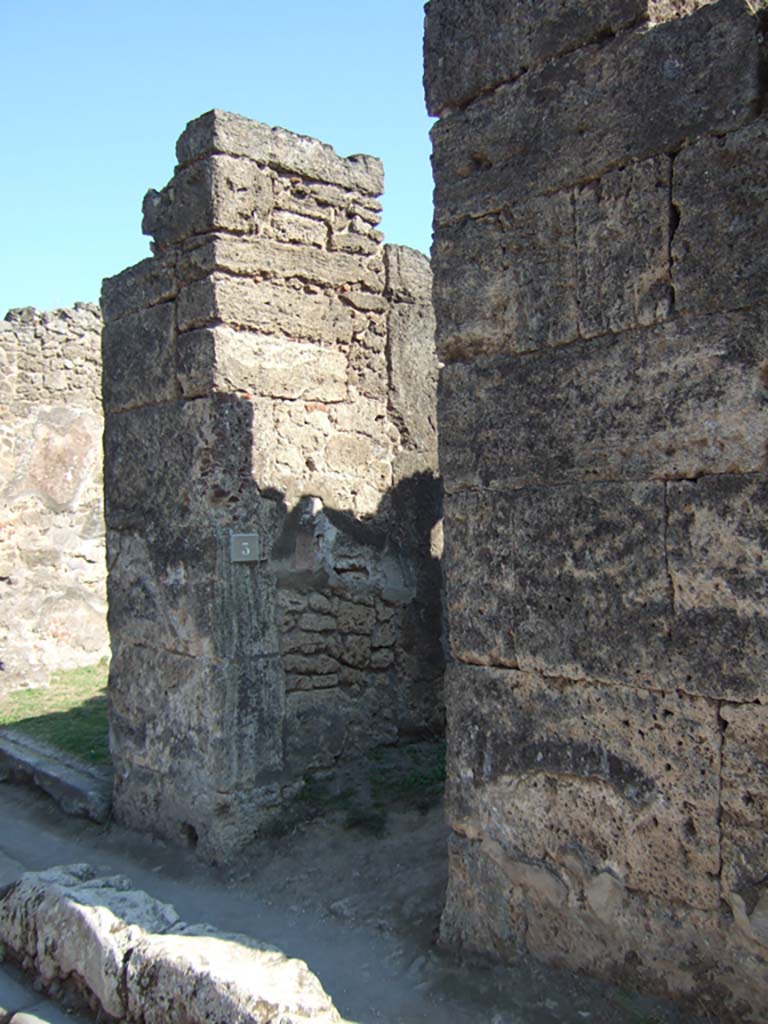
{"x":270,"y":371}
{"x":600,"y":290}
{"x":52,"y":569}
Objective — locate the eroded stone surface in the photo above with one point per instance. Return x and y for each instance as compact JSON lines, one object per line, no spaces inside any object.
{"x":458,"y":68}
{"x":629,"y":779}
{"x":675,"y":400}
{"x":603,"y":109}
{"x":721,"y":195}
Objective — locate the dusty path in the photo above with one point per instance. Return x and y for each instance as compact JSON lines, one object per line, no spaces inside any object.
{"x":360,"y":910}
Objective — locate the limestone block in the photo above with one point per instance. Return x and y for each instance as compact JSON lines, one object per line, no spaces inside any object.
{"x":471,"y":46}
{"x":215,"y":193}
{"x":138,"y":358}
{"x":70,"y":922}
{"x":145,"y":284}
{"x":622,"y":244}
{"x":579,"y":581}
{"x":603,"y":109}
{"x":716,"y":543}
{"x":721,"y":194}
{"x":745,"y":807}
{"x":257,"y":257}
{"x":130,"y":954}
{"x":506,"y":282}
{"x":222,"y":132}
{"x":266,"y":306}
{"x":225,"y":360}
{"x":678,"y":399}
{"x":196,"y":974}
{"x":629,"y":778}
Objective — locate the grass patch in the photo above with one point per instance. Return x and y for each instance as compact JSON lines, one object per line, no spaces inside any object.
{"x":70,"y":714}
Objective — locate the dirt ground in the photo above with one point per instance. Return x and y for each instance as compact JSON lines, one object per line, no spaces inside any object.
{"x":361,"y":908}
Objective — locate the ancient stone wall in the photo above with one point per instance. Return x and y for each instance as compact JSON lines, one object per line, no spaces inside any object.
{"x":601,"y":176}
{"x":270,"y":372}
{"x":52,"y":564}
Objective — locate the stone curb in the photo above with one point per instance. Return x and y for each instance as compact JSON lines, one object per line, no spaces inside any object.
{"x":131,"y":959}
{"x":82,"y":790}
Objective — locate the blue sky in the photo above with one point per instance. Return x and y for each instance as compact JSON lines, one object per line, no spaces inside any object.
{"x":94,"y":96}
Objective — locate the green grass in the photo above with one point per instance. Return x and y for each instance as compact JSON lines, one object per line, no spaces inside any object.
{"x":70,"y":714}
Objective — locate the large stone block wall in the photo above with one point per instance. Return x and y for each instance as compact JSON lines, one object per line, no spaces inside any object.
{"x":52,"y":561}
{"x":270,"y":371}
{"x":601,"y":184}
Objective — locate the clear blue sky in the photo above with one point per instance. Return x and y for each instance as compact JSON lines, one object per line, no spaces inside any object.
{"x":94,"y":96}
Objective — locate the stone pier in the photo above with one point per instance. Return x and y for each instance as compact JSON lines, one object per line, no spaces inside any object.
{"x":271,"y":499}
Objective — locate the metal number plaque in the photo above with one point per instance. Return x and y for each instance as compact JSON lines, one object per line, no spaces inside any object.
{"x":244,"y":547}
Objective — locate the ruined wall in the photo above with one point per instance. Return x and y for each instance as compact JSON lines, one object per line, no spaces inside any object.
{"x":52,"y":567}
{"x":271,"y":371}
{"x":601,"y":177}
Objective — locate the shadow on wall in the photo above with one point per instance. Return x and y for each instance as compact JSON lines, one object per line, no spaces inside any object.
{"x":232,"y":680}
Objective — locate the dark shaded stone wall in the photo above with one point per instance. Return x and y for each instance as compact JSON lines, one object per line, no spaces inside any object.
{"x":270,"y":371}
{"x":601,"y":177}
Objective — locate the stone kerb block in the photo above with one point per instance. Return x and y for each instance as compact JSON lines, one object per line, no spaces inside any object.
{"x":134,"y":961}
{"x":598,"y":108}
{"x":222,"y":132}
{"x":472,"y":46}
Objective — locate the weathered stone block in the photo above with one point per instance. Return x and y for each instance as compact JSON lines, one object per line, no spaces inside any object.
{"x":506,"y":282}
{"x":471,"y":46}
{"x":409,"y":274}
{"x":297,"y":229}
{"x":146,"y":284}
{"x":138,"y":358}
{"x":603,"y":109}
{"x":270,"y":307}
{"x":216,"y":193}
{"x":221,"y":132}
{"x":622,"y":248}
{"x":721,"y":193}
{"x":629,"y":779}
{"x":195,"y":729}
{"x":197,"y":974}
{"x":716,"y":542}
{"x":580,"y":585}
{"x":745,"y":811}
{"x":225,"y":360}
{"x":160,"y":472}
{"x":265,"y":257}
{"x":679,"y":399}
